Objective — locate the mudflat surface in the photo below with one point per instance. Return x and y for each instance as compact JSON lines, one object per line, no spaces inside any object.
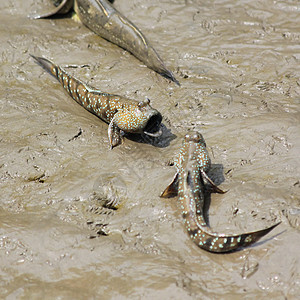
{"x":239,"y":65}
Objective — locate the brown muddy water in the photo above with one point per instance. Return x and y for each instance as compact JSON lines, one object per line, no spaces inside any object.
{"x":238,"y":63}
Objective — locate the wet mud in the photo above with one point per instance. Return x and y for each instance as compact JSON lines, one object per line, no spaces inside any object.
{"x":78,"y":220}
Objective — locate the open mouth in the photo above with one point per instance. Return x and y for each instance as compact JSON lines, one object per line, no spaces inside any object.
{"x":153,"y":127}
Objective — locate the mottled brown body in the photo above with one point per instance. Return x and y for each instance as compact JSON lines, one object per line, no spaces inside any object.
{"x":122,"y":114}
{"x":191,"y":190}
{"x":103,"y":19}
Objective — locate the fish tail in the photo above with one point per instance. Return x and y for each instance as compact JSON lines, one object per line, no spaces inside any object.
{"x":75,"y":88}
{"x":220,"y":243}
{"x":47,"y":65}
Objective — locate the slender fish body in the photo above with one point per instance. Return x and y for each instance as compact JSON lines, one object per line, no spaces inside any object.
{"x":123,"y":115}
{"x":103,"y":19}
{"x":191,"y":190}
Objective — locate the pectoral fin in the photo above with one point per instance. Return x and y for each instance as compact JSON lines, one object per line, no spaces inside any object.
{"x":114,"y":134}
{"x":214,"y":187}
{"x":63,"y":8}
{"x":172,"y":188}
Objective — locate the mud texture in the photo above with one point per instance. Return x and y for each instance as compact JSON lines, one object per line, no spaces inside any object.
{"x":78,"y":221}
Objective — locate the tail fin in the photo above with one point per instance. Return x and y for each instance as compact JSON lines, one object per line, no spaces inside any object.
{"x":78,"y":90}
{"x":72,"y":85}
{"x":47,"y":65}
{"x":169,"y":75}
{"x":220,"y":243}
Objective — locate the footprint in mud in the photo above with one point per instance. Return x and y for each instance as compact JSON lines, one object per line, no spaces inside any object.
{"x":293,"y":216}
{"x":109,"y":191}
{"x":249,"y":268}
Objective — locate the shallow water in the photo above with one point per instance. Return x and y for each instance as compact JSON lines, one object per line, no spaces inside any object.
{"x":238,"y":64}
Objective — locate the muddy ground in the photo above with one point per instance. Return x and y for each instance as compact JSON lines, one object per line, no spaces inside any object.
{"x":238,"y":64}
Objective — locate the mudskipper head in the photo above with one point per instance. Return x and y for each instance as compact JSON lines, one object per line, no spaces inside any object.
{"x":194,"y":137}
{"x":152,"y":119}
{"x":140,"y":118}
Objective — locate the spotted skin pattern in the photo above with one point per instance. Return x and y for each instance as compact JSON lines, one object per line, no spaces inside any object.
{"x":203,"y":162}
{"x":192,"y":157}
{"x":123,"y":115}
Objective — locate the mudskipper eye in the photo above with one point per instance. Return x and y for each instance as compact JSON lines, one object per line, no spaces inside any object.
{"x":187,"y":138}
{"x":144,"y":103}
{"x":196,"y":137}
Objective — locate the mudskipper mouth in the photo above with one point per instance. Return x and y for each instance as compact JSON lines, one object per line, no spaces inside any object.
{"x":153,"y":127}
